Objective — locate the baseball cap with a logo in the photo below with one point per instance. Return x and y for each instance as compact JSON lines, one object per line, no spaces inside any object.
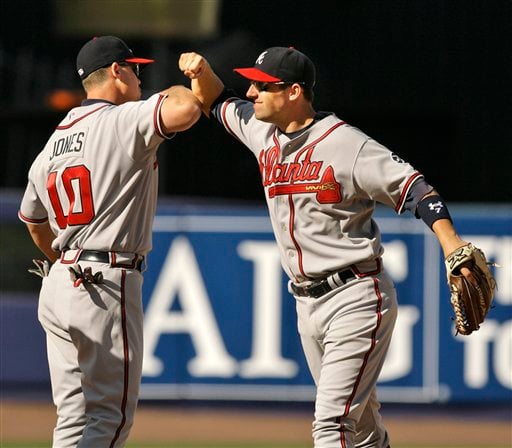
{"x":281,"y":64}
{"x":102,"y":51}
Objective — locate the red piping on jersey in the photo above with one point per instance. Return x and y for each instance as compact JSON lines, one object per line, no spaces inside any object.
{"x":67,"y":126}
{"x":126,"y":360}
{"x":290,"y":197}
{"x":292,"y":235}
{"x":276,"y":140}
{"x":378,"y":312}
{"x":156,"y":116}
{"x":224,"y":121}
{"x":360,"y":274}
{"x":337,"y":125}
{"x":343,"y":437}
{"x":405,"y":191}
{"x":115,"y":264}
{"x":73,"y":260}
{"x":31,"y":220}
{"x":292,"y":215}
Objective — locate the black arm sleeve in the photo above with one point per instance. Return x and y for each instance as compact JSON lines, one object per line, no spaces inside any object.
{"x":430,"y":208}
{"x":224,"y":95}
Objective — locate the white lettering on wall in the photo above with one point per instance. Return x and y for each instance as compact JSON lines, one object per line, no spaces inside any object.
{"x":486,"y":352}
{"x":399,"y":360}
{"x":395,"y":259}
{"x":477,"y":352}
{"x":499,"y":251}
{"x":266,"y":359}
{"x":181,"y":276}
{"x":502,"y":364}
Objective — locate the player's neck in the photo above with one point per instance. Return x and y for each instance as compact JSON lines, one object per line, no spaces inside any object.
{"x":99,"y":94}
{"x":107,"y":92}
{"x":299,"y":120}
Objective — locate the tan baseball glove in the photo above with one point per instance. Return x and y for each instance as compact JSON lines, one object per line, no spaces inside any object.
{"x":471,"y":300}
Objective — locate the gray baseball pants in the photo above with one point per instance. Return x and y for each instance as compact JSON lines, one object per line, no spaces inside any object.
{"x":94,"y":344}
{"x":345,"y":335}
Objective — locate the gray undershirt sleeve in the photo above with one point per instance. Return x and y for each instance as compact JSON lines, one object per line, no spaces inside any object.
{"x":419,"y":189}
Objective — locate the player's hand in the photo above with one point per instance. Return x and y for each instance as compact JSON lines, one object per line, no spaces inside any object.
{"x":450,"y":245}
{"x":192,"y":65}
{"x":42,"y":268}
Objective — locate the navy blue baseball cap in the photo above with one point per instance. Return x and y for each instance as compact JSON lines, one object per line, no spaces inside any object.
{"x":281,"y":64}
{"x":102,"y":51}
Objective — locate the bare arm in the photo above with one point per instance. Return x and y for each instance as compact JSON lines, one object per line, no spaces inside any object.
{"x":206,"y":85}
{"x":180,"y":110}
{"x":42,"y":235}
{"x":448,"y":238}
{"x":445,"y":232}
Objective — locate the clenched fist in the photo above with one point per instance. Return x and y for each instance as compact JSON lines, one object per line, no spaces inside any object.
{"x":192,"y":65}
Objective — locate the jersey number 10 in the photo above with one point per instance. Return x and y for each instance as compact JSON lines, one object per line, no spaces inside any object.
{"x":75,"y":179}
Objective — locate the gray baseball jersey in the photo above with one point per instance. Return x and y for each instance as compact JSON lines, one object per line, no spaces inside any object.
{"x":95,"y":181}
{"x":321,"y":186}
{"x":96,"y":178}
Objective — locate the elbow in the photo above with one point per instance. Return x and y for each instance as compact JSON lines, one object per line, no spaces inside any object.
{"x":181,"y":117}
{"x":193,"y":113}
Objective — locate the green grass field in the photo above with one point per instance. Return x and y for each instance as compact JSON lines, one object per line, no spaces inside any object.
{"x":245,"y":445}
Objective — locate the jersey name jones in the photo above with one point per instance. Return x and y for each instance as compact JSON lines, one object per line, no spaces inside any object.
{"x":68,"y":145}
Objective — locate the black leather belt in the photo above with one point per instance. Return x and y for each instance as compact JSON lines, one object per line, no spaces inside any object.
{"x":109,"y":258}
{"x":322,"y":287}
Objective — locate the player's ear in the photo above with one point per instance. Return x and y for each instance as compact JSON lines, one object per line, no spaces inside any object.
{"x":115,"y":70}
{"x":295,"y":91}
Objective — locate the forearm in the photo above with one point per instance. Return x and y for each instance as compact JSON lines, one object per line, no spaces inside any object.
{"x":43,"y":236}
{"x":434,"y":212}
{"x":447,"y":236}
{"x":205,"y":84}
{"x":207,"y":88}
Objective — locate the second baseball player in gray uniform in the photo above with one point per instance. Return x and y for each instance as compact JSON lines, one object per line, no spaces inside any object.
{"x":322,"y":179}
{"x":89,"y":206}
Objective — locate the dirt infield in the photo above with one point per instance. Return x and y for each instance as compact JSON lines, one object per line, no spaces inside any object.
{"x":33,"y":422}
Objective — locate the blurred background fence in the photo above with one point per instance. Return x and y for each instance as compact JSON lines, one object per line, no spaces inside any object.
{"x":430,"y":79}
{"x":220,"y":324}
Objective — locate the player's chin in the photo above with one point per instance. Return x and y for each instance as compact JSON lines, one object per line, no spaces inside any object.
{"x":259,"y":113}
{"x":264,"y":117}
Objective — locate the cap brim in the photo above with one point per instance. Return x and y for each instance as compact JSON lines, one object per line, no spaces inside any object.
{"x":255,"y":74}
{"x":140,"y":60}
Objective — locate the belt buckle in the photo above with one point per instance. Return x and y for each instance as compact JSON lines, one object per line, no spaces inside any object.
{"x":299,"y":290}
{"x":318,"y":289}
{"x":321,"y":287}
{"x":309,"y":291}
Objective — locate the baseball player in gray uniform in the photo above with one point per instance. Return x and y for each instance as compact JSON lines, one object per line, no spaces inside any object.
{"x":322,"y":179}
{"x":89,"y":206}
